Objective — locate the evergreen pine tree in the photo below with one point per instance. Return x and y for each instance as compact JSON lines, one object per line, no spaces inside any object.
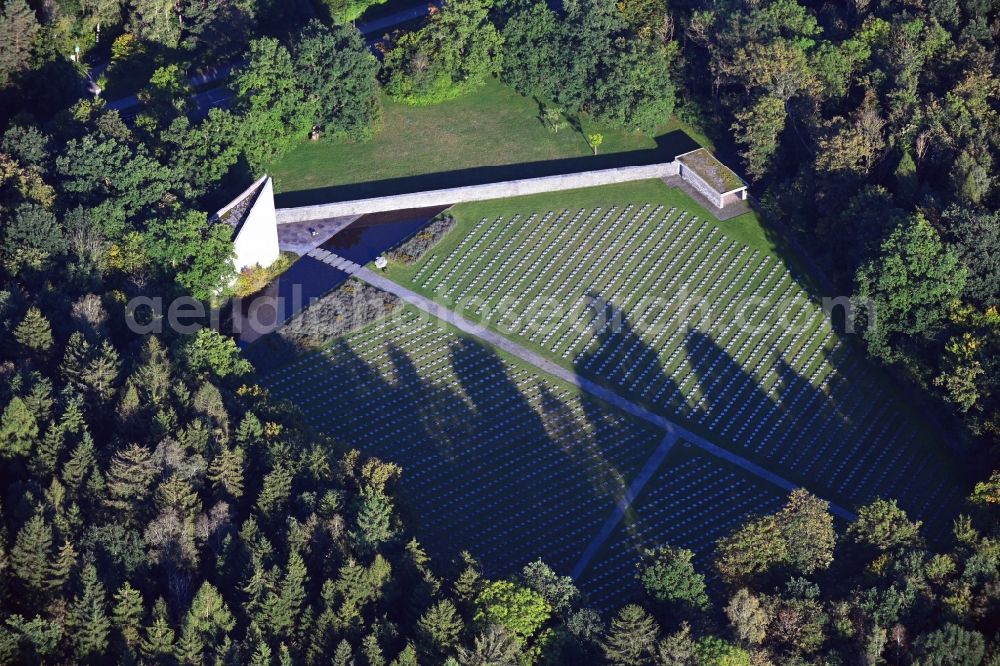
{"x":470,"y":581}
{"x":62,"y":566}
{"x":129,"y":405}
{"x":47,"y":453}
{"x":130,"y":479}
{"x":677,"y":649}
{"x":276,"y":490}
{"x":226,"y":471}
{"x":18,"y":429}
{"x":76,"y":358}
{"x":29,"y":558}
{"x":285,"y":606}
{"x":190,"y":647}
{"x":631,"y":638}
{"x":209,"y":621}
{"x":102,"y":374}
{"x":127,"y":613}
{"x":440,"y":627}
{"x":343,"y":655}
{"x":158,"y":644}
{"x":71,"y":420}
{"x":374,"y":521}
{"x":408,"y":657}
{"x":19,"y":28}
{"x":152,"y":378}
{"x":261,"y":655}
{"x":285,"y":656}
{"x":81,"y":464}
{"x":87,"y":620}
{"x":372,"y":650}
{"x":176,"y":493}
{"x":250,"y":430}
{"x":34,"y":332}
{"x":39,"y":399}
{"x":208,"y":401}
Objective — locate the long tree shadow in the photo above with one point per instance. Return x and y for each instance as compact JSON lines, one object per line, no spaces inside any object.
{"x":833,"y":436}
{"x":495,"y":460}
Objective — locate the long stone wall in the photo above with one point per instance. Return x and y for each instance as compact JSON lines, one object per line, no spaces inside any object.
{"x":453,"y":195}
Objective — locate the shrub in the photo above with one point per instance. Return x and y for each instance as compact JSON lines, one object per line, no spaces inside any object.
{"x":254,"y":278}
{"x":418,"y":244}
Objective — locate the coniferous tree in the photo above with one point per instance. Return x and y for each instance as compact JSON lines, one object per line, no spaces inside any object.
{"x":207,"y":625}
{"x":76,"y":358}
{"x":71,"y":420}
{"x":494,"y":647}
{"x":130,"y":479}
{"x":374,"y":520}
{"x":63,"y":565}
{"x":372,"y":650}
{"x":631,"y":638}
{"x":343,"y":655}
{"x":153,"y":378}
{"x":226,"y":471}
{"x":407,"y":657}
{"x":34,"y":332}
{"x":285,"y":606}
{"x":677,"y":649}
{"x":158,"y":644}
{"x":81,"y":464}
{"x":29,"y":558}
{"x":47,"y":453}
{"x":276,"y":490}
{"x":87,"y":618}
{"x":18,"y":429}
{"x":19,"y":29}
{"x":102,"y":374}
{"x":127,"y":613}
{"x":440,"y":627}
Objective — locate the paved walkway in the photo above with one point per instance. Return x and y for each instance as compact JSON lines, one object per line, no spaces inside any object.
{"x":644,"y":475}
{"x":298,"y":237}
{"x":675,"y":432}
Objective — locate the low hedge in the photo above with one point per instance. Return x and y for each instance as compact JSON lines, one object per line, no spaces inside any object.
{"x":421,"y":242}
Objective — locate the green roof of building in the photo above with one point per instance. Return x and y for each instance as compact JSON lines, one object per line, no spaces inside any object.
{"x":711,"y":170}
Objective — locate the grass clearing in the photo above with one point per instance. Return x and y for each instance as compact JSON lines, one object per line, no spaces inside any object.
{"x":488,"y":135}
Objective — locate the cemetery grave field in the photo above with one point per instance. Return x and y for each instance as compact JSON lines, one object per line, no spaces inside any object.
{"x":496,"y":457}
{"x":699,"y":321}
{"x":514,"y":464}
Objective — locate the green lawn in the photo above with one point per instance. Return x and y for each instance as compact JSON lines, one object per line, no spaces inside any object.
{"x":491,"y":134}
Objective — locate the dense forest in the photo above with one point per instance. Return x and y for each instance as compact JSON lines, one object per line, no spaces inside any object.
{"x":158,"y":507}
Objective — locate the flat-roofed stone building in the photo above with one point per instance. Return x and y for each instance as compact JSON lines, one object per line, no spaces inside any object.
{"x":713,"y":179}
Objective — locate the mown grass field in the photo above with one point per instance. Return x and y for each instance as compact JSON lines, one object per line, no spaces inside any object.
{"x":491,"y":134}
